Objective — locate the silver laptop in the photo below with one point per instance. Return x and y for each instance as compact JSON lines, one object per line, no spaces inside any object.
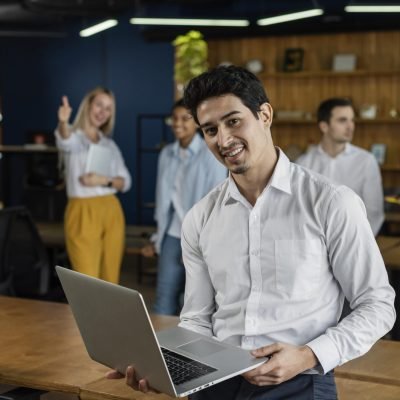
{"x":117,"y":332}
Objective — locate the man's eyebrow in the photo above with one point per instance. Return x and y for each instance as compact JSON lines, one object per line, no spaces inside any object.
{"x":221,"y":119}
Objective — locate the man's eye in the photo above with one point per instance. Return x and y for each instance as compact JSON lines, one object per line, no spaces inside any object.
{"x":210,"y":131}
{"x":233,"y":121}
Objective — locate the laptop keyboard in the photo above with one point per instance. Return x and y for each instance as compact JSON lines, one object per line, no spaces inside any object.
{"x":183,"y":369}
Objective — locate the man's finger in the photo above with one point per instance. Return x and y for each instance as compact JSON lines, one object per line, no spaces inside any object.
{"x":114,"y":375}
{"x":143,"y":387}
{"x":267,"y":350}
{"x":131,"y":377}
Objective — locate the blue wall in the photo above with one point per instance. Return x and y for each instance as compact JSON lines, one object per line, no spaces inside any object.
{"x":36,"y":72}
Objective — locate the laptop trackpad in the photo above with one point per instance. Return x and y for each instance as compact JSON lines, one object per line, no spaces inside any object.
{"x":201,"y":348}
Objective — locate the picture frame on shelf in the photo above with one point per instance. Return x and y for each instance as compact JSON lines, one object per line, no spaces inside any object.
{"x":379,"y":151}
{"x":293,"y":60}
{"x":368,"y":111}
{"x":344,"y":62}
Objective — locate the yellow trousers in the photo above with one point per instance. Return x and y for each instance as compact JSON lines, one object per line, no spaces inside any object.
{"x":95,"y":236}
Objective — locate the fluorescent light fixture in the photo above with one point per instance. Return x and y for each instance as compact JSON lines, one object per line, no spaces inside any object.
{"x":189,"y":22}
{"x":102,"y":26}
{"x":370,"y":9}
{"x":290,"y":17}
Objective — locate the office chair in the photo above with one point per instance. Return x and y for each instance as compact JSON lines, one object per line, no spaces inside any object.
{"x":24,"y":263}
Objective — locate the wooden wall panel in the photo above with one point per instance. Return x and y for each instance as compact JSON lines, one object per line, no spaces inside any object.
{"x":375,"y":81}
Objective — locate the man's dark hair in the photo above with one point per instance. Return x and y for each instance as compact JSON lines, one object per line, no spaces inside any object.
{"x":324,"y":112}
{"x":225,"y":80}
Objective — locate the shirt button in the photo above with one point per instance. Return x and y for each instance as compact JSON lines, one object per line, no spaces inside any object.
{"x":254,"y":252}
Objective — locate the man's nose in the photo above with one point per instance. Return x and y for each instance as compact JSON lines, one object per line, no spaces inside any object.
{"x":224,"y":137}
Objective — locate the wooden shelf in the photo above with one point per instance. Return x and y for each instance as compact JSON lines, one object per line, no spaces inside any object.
{"x":27,"y":149}
{"x":327,"y":74}
{"x":390,"y":168}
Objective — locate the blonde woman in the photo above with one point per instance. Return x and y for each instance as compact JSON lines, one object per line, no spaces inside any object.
{"x":94,"y":220}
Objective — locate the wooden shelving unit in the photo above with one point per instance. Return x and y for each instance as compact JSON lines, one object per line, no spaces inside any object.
{"x":375,"y":81}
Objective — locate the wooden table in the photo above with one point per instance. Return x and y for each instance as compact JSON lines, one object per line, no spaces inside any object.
{"x":349,"y":389}
{"x":136,"y":236}
{"x":41,"y":348}
{"x":380,"y":365}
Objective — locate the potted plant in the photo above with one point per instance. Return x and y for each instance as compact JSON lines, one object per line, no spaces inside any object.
{"x":191,"y":53}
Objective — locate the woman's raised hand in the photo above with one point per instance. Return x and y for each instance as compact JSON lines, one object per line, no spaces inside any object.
{"x":64,"y":111}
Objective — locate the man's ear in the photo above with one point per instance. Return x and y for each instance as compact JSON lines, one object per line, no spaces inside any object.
{"x":323,"y":126}
{"x":266,"y":113}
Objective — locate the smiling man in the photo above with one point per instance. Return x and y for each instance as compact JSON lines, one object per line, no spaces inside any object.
{"x":271,"y":253}
{"x":336,"y":158}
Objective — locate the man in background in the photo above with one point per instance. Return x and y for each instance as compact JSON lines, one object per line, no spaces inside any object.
{"x":336,"y":158}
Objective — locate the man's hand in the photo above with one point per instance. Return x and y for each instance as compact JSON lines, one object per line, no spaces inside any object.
{"x":286,"y":361}
{"x":131,"y":380}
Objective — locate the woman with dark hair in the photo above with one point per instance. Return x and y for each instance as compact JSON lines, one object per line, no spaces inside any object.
{"x":187,"y":171}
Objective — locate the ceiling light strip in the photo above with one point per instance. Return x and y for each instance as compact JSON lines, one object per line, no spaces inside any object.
{"x":102,"y":26}
{"x":290,"y":17}
{"x":372,"y":9}
{"x":189,"y":22}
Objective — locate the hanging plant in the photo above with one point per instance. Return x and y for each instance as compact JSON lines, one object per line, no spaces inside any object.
{"x":191,"y":53}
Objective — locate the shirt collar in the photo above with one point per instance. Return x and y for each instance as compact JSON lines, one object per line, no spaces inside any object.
{"x":279,"y":180}
{"x":193,"y":148}
{"x":83,"y":134}
{"x":348,"y":149}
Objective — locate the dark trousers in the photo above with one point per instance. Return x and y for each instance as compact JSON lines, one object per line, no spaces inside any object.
{"x":301,"y":387}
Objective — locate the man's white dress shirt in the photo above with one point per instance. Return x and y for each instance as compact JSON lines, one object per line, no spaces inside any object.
{"x":355,"y":168}
{"x":279,"y":271}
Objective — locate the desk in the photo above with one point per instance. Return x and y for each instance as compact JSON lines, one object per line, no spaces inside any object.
{"x":380,"y":365}
{"x":42,"y":349}
{"x":349,"y":389}
{"x":392,"y":216}
{"x":136,"y":236}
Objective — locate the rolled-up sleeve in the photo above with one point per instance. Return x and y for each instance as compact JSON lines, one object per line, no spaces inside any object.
{"x":120,"y":169}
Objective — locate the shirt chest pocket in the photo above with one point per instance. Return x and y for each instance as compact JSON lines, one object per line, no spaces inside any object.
{"x":298,"y":267}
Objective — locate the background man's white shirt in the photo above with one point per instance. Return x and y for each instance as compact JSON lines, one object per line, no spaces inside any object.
{"x":355,"y":168}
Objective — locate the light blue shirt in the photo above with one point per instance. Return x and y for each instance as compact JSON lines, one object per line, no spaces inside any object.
{"x":201,"y":174}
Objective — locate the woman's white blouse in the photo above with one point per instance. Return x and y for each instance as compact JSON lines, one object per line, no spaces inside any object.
{"x":75,"y":152}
